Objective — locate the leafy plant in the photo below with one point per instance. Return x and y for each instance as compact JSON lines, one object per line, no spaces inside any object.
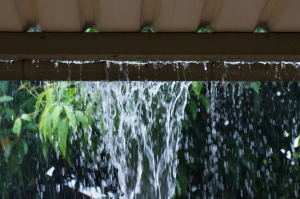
{"x":60,"y":113}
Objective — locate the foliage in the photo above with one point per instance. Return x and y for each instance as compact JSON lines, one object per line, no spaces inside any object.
{"x":51,"y":110}
{"x":60,"y":113}
{"x":255,"y":86}
{"x":253,"y":152}
{"x":254,"y":130}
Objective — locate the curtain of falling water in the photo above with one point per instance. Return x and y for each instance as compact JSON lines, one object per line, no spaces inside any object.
{"x":142,"y":122}
{"x":241,"y":148}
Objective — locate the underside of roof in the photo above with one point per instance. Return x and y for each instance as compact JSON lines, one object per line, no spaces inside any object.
{"x":158,"y":15}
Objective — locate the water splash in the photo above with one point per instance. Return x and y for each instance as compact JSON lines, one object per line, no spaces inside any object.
{"x":147,"y":117}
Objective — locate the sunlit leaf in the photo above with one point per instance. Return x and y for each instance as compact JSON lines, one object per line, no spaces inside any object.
{"x":90,"y":119}
{"x":68,"y":100}
{"x":297,"y":142}
{"x":70,"y":116}
{"x":44,"y":116}
{"x":255,"y":86}
{"x":54,"y":140}
{"x":5,"y":98}
{"x":26,"y":117}
{"x":23,"y":86}
{"x":63,"y":128}
{"x":89,"y":108}
{"x":83,"y":119}
{"x":197,"y":86}
{"x":39,"y":100}
{"x":47,"y":130}
{"x":91,"y":30}
{"x":56,"y":116}
{"x":45,"y":148}
{"x":265,"y":162}
{"x":33,"y":88}
{"x":17,"y":126}
{"x":71,"y":92}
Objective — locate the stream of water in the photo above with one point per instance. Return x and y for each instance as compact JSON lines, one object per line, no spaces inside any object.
{"x":143,"y":139}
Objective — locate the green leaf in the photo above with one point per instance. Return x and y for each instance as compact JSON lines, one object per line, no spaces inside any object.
{"x":69,"y":161}
{"x":83,"y":119}
{"x":205,"y":101}
{"x":28,"y":103}
{"x":26,"y":117}
{"x":55,"y":116}
{"x":5,"y":98}
{"x":44,"y":116}
{"x":30,"y":126}
{"x":54,"y":140}
{"x":91,"y":30}
{"x":10,"y":112}
{"x":298,"y":142}
{"x":68,"y":100}
{"x":197,"y":86}
{"x":47,"y":130}
{"x":63,"y":128}
{"x":86,"y":136}
{"x":255,"y":86}
{"x":178,"y":187}
{"x":193,"y":108}
{"x":90,"y":119}
{"x":49,"y":95}
{"x":17,"y":127}
{"x":81,"y":86}
{"x":194,"y":84}
{"x":39,"y":101}
{"x":25,"y":147}
{"x":17,"y":154}
{"x":265,"y":162}
{"x":89,"y":108}
{"x":8,"y":150}
{"x":71,"y":92}
{"x":45,"y":148}
{"x":4,"y":86}
{"x":70,"y":116}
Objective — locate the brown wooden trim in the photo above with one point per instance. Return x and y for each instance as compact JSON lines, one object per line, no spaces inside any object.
{"x":215,"y":71}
